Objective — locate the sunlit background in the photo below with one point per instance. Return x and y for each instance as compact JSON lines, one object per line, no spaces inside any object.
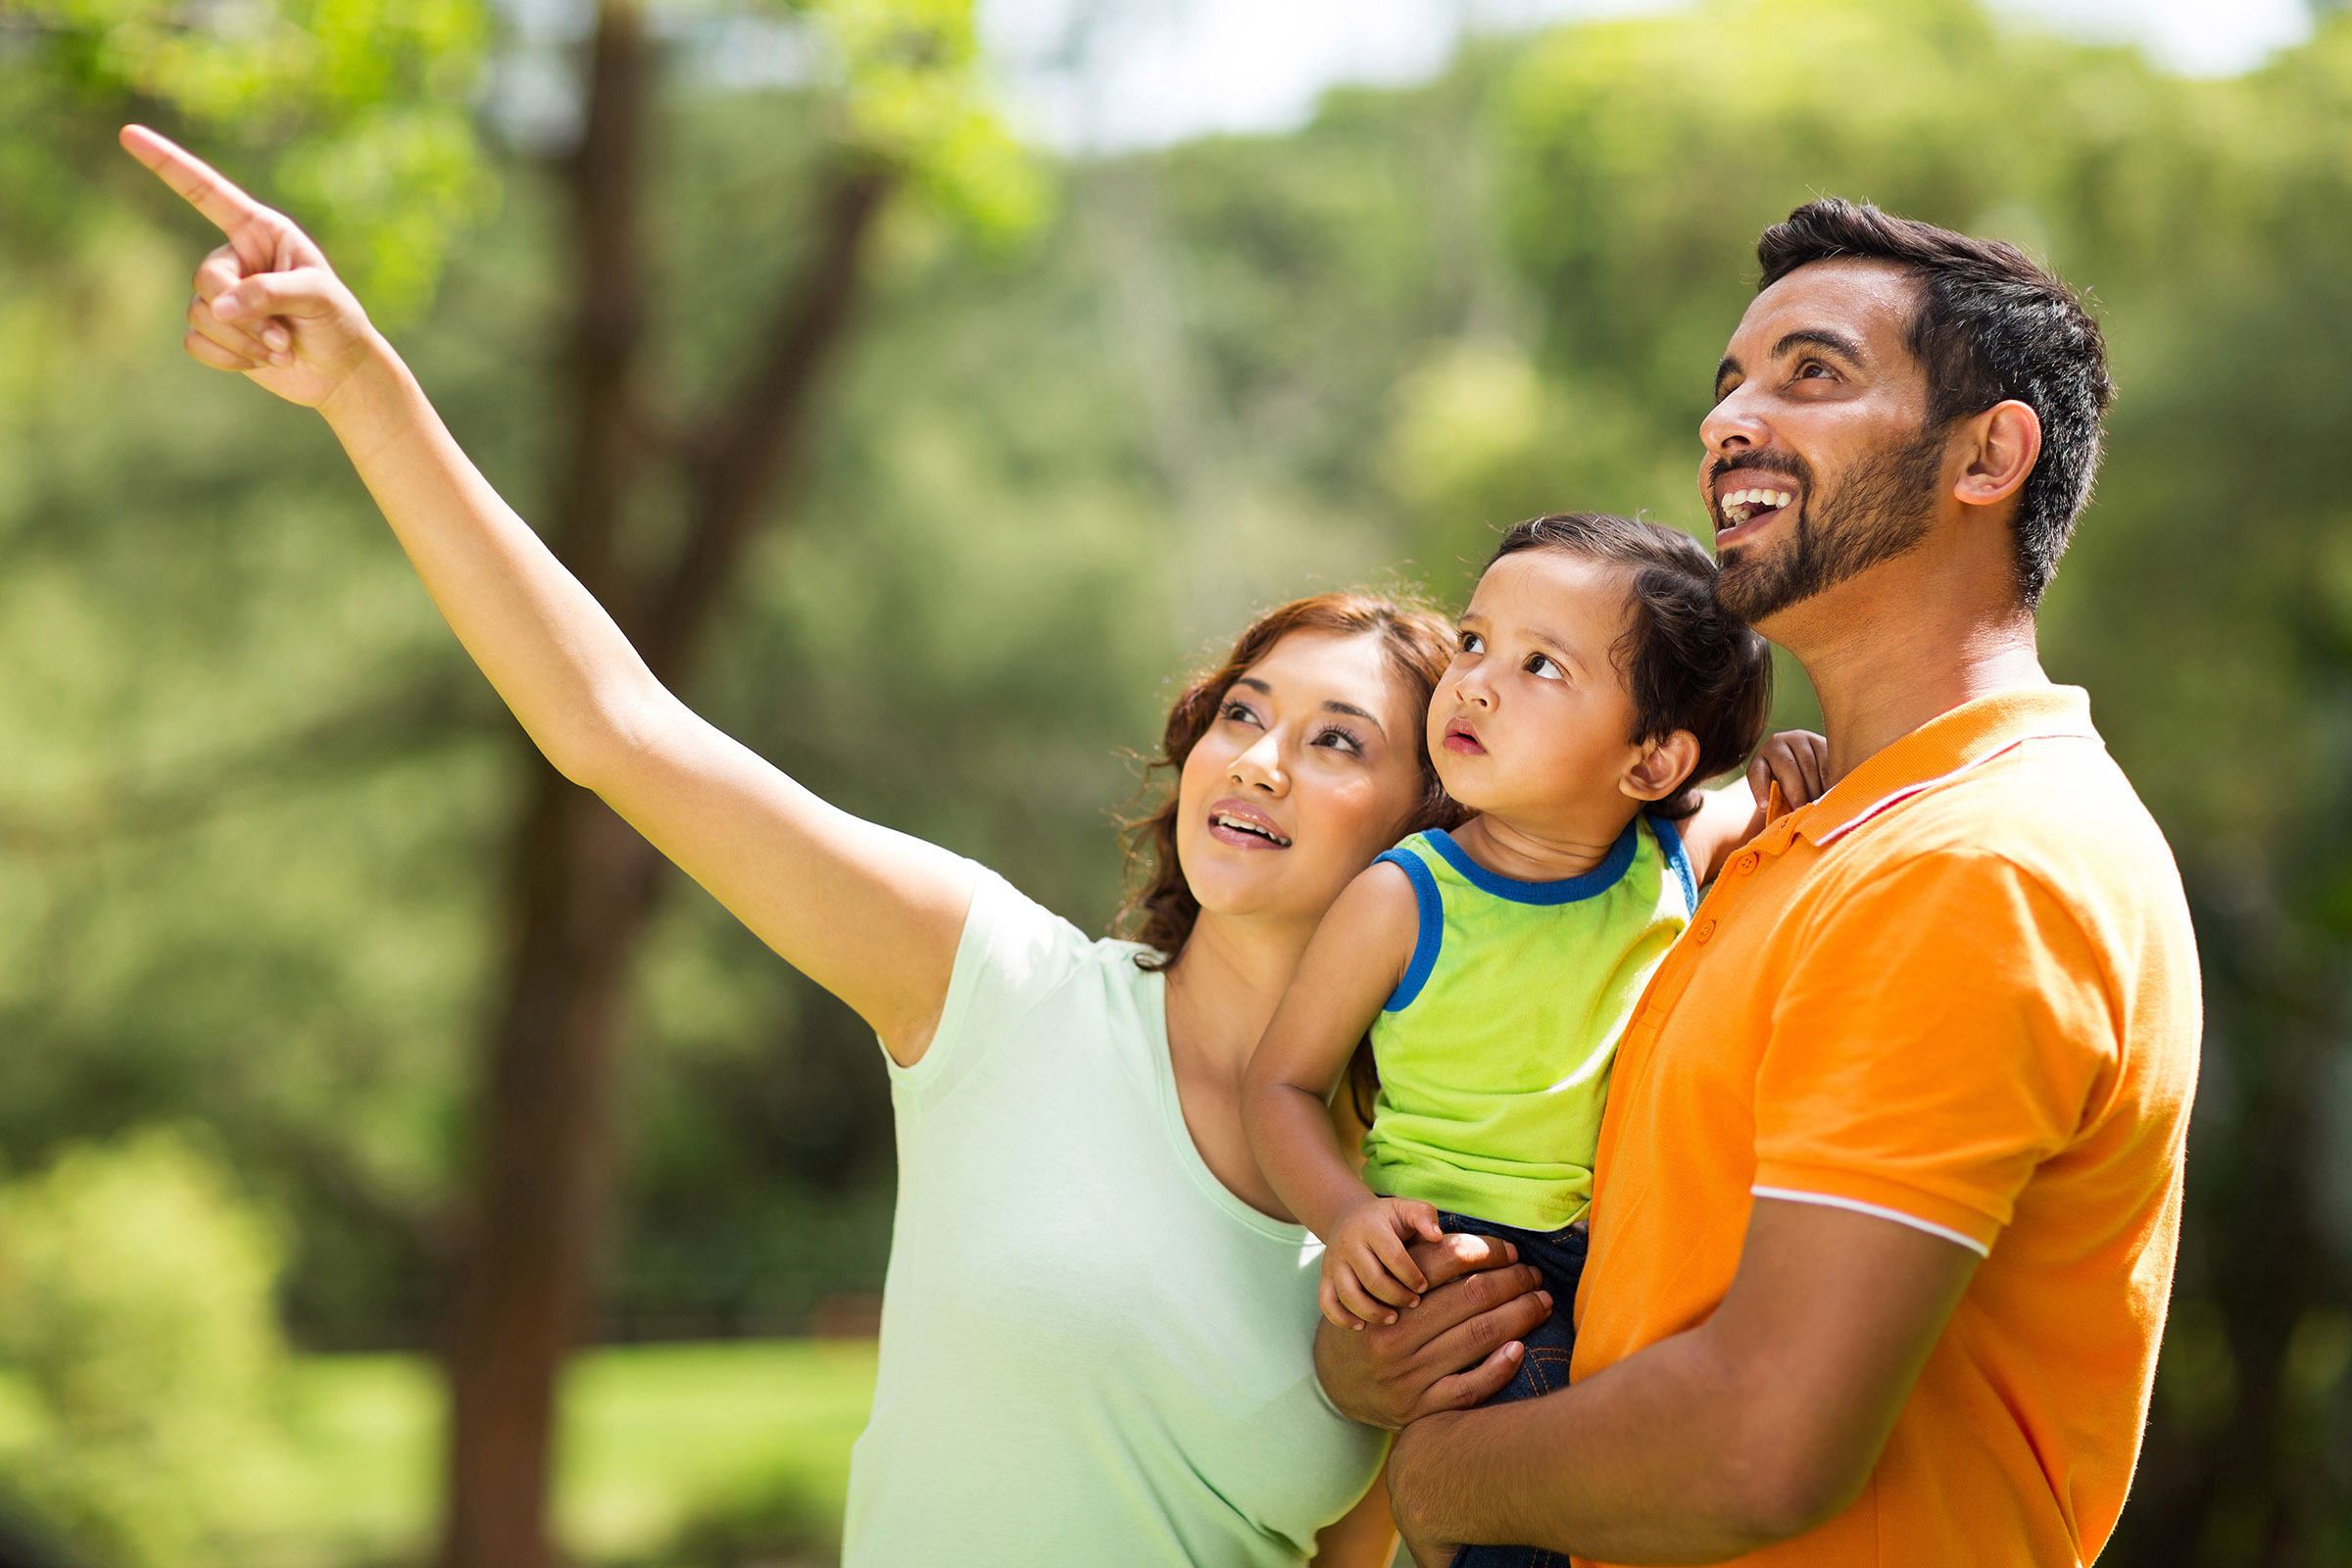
{"x":1148,"y":313}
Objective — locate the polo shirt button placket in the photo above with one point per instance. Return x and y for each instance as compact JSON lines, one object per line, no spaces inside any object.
{"x":1705,"y":934}
{"x":1746,"y":863}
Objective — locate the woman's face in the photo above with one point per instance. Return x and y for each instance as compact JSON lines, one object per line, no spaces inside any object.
{"x":1311,"y":767}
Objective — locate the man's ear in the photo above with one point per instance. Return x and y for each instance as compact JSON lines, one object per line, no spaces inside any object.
{"x":1663,"y":766}
{"x":2007,"y":441}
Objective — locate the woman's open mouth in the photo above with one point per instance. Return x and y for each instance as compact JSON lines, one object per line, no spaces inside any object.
{"x":1747,"y":510}
{"x":1231,"y":822}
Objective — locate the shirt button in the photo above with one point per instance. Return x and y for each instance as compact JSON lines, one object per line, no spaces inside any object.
{"x":1746,"y":863}
{"x":1706,"y":930}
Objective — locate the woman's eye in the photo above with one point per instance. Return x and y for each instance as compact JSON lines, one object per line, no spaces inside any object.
{"x":1238,"y":713}
{"x":1340,"y":739}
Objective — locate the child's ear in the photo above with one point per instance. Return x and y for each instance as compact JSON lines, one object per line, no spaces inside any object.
{"x":1663,"y":766}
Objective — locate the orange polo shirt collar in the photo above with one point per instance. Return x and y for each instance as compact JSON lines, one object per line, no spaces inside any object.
{"x":1951,"y":743}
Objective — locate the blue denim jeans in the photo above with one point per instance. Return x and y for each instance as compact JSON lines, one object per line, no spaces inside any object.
{"x":1559,"y":1256}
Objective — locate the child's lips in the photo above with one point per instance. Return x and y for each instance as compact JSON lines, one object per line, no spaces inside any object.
{"x":1463,"y":740}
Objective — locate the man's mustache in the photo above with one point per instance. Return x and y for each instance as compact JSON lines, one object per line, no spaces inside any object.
{"x":1787,"y":467}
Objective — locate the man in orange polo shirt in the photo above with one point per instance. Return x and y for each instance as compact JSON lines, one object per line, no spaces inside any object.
{"x":1889,"y":1185}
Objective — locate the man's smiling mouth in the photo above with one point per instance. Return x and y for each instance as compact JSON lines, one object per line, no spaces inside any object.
{"x":1747,"y":504}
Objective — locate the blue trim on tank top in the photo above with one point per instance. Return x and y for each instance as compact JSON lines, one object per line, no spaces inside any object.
{"x":1670,"y":839}
{"x":1432,"y":905}
{"x":1568,"y":889}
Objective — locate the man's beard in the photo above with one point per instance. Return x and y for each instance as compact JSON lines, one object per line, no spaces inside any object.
{"x":1880,"y":510}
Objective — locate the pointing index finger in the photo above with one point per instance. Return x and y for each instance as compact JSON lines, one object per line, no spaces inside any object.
{"x":203,"y":187}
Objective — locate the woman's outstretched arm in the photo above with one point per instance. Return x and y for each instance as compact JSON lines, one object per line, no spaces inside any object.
{"x":871,"y":915}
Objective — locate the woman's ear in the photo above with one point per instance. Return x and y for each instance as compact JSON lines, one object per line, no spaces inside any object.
{"x":1663,"y":767}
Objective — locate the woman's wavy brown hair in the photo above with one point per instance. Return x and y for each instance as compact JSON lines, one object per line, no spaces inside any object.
{"x":1160,"y":910}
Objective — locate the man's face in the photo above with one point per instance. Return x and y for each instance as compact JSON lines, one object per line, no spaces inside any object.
{"x":1819,"y":463}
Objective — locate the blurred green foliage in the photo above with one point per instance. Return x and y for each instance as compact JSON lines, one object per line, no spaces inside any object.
{"x":137,"y":1308}
{"x":252,"y":789}
{"x":360,"y":112}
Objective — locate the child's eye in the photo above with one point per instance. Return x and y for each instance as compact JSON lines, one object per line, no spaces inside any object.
{"x":1472,"y":642}
{"x":1543,"y":668}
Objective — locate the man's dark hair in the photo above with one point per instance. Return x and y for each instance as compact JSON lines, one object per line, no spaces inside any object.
{"x":1992,"y":324}
{"x":1688,"y":663}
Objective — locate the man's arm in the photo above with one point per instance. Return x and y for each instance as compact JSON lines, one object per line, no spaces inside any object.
{"x":1752,"y":1428}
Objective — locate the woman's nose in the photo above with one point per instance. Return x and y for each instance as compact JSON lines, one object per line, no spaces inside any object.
{"x":1260,"y":767}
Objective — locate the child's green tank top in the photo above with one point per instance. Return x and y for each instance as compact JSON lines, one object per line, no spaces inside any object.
{"x":1494,"y":1048}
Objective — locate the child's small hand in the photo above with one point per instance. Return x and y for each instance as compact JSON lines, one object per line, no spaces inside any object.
{"x":1797,"y":760}
{"x":1367,"y":1273}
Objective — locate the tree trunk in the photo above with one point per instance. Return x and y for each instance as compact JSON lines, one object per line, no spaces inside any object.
{"x":583,"y":882}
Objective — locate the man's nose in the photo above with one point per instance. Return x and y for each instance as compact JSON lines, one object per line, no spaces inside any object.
{"x":1734,"y":425}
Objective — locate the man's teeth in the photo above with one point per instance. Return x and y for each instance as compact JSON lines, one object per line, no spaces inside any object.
{"x":1246,"y":826}
{"x":1741,"y":505}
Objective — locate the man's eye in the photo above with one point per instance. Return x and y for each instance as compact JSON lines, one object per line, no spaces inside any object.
{"x":1812,"y":370}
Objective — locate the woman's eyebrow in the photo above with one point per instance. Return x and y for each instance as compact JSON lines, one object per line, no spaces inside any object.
{"x":1331,"y":704}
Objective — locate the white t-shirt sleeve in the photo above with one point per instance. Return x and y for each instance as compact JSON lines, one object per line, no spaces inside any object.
{"x":1014,"y":952}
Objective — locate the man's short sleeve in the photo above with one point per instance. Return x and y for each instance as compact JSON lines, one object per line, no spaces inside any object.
{"x":1945,"y":1030}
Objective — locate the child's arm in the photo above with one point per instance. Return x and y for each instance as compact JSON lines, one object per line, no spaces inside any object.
{"x":1353,"y":961}
{"x":871,"y":916}
{"x":1794,"y":758}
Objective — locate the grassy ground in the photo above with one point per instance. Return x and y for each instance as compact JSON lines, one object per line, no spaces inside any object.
{"x":659,"y":1442}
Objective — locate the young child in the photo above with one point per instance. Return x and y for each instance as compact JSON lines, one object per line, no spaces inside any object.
{"x":1594,"y":681}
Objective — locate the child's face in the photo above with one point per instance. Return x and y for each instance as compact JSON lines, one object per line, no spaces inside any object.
{"x":1532,"y":719}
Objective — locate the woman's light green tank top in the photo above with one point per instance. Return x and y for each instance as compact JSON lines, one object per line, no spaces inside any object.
{"x":1494,"y":1048}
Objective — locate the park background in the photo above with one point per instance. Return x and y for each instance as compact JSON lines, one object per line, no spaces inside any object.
{"x":929,"y":400}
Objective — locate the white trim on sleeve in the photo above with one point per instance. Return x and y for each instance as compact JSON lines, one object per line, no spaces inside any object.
{"x":1793,"y":1195}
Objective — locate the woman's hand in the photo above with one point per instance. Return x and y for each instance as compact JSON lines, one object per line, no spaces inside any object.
{"x":871,"y":916}
{"x":1368,"y":1273}
{"x":266,"y":304}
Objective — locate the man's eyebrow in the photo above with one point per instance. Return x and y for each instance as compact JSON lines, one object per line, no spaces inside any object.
{"x":1821,"y":337}
{"x":1818,"y":337}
